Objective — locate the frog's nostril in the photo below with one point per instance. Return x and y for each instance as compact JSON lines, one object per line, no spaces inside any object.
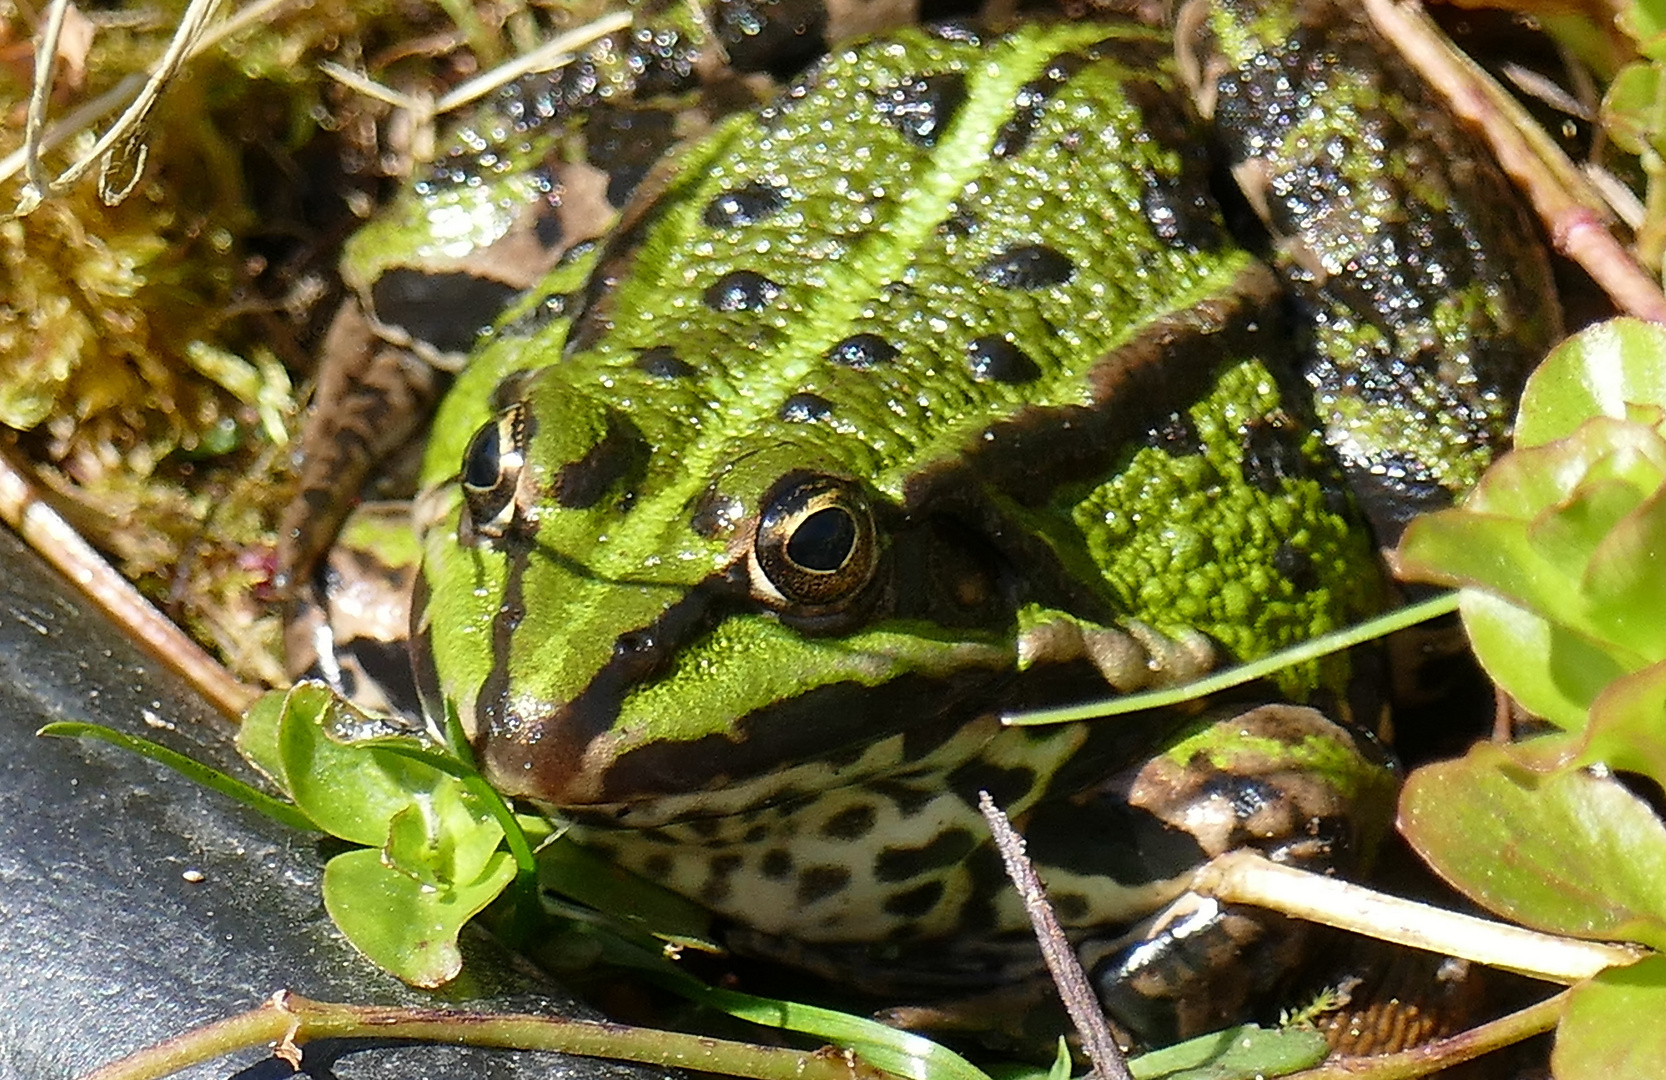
{"x":637,"y":655}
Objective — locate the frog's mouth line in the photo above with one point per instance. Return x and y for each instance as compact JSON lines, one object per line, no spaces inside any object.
{"x":571,"y":756}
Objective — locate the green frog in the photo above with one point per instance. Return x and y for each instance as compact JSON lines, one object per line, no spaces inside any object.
{"x":974,"y":371}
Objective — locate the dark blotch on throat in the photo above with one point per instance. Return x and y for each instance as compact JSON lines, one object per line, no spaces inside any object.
{"x":851,"y":823}
{"x":820,"y":882}
{"x":917,"y":902}
{"x":907,"y":863}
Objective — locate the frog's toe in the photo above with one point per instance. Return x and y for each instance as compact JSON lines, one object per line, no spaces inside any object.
{"x":1196,"y":967}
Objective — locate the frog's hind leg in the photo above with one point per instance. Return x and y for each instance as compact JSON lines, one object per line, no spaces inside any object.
{"x":1280,"y":779}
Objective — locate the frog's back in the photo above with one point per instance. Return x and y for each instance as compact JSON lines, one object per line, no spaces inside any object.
{"x":947,"y":343}
{"x":925,"y":247}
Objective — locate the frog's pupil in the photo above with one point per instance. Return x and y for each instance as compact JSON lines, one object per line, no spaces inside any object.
{"x":823,"y":541}
{"x":481,"y":462}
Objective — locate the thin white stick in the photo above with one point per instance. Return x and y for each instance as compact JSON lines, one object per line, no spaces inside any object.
{"x":90,"y":112}
{"x":185,"y":36}
{"x":46,"y":70}
{"x":552,"y":54}
{"x":1248,"y":878}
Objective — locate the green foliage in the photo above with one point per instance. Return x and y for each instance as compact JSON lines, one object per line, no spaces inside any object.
{"x":279,"y":811}
{"x":1240,"y":1053}
{"x":1606,"y":1031}
{"x":430,"y":860}
{"x":1561,"y":850}
{"x":1557,"y":552}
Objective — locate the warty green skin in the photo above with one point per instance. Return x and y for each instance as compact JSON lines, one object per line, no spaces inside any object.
{"x":1128,"y":494}
{"x":1421,"y":302}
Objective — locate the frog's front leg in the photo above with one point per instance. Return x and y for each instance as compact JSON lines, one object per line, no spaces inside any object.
{"x":1284,"y":780}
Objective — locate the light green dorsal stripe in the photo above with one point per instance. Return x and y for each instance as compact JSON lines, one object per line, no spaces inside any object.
{"x":937,"y":179}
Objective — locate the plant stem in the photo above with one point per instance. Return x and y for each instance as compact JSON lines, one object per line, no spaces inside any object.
{"x":1573,"y":215}
{"x":23,"y":506}
{"x":289,"y":1021}
{"x":1072,"y":982}
{"x":1444,"y":1053}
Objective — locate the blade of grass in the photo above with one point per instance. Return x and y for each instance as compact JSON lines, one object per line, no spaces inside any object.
{"x":901,"y":1052}
{"x":276,"y":809}
{"x":1370,"y":630}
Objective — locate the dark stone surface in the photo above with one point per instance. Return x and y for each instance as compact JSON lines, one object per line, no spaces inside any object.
{"x":105,"y":946}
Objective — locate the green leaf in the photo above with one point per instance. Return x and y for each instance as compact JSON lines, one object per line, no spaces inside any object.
{"x":1532,"y":527}
{"x":1628,"y":725}
{"x":1609,"y":369}
{"x":1614,"y":1026}
{"x":1554,"y":672}
{"x":487,"y":801}
{"x":1240,"y":1053}
{"x":1632,"y":113}
{"x":257,"y":735}
{"x":442,"y":837}
{"x":1564,"y":850}
{"x":1644,"y":21}
{"x":1061,"y":1062}
{"x":402,"y":925}
{"x":901,"y":1052}
{"x":353,"y":790}
{"x":281,"y":812}
{"x":1623,"y":580}
{"x":634,"y":903}
{"x":1562,"y":538}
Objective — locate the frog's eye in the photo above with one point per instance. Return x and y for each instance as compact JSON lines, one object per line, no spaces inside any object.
{"x":492,"y":471}
{"x":816,"y":543}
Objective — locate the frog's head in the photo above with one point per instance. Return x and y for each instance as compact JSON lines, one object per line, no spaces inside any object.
{"x":625,"y":608}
